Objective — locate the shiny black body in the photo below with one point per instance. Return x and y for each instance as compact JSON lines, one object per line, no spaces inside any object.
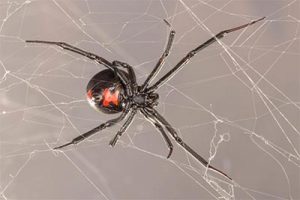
{"x":103,"y":80}
{"x":108,"y":79}
{"x":115,"y":90}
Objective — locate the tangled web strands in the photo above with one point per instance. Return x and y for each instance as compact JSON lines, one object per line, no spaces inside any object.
{"x":237,"y":107}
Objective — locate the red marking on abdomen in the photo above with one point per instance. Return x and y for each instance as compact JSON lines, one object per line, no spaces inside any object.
{"x":109,"y":97}
{"x":89,"y":94}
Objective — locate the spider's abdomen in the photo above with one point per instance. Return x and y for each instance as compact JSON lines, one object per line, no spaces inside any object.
{"x":105,"y":92}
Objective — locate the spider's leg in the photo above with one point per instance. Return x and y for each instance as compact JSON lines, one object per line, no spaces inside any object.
{"x":123,"y":128}
{"x":127,"y":67}
{"x":186,"y":59}
{"x":74,"y":49}
{"x":160,"y":61}
{"x":87,"y":54}
{"x":155,"y":123}
{"x":174,"y":134}
{"x":131,"y":73}
{"x":96,"y":129}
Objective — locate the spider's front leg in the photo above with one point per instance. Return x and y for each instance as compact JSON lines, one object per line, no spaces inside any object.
{"x":74,"y":49}
{"x":161,"y":60}
{"x":87,"y":54}
{"x":193,"y":52}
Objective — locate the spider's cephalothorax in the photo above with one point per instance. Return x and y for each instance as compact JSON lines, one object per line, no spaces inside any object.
{"x":115,"y":90}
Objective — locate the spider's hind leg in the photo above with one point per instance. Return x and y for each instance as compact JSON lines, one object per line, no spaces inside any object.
{"x":96,"y":129}
{"x":152,"y":119}
{"x":186,"y":147}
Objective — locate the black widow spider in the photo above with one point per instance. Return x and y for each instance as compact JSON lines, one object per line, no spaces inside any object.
{"x":114,"y":90}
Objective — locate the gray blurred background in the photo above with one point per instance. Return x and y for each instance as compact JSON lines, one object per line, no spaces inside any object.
{"x":236,"y":103}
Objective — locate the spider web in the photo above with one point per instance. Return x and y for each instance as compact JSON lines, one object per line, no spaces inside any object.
{"x":236,"y":103}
